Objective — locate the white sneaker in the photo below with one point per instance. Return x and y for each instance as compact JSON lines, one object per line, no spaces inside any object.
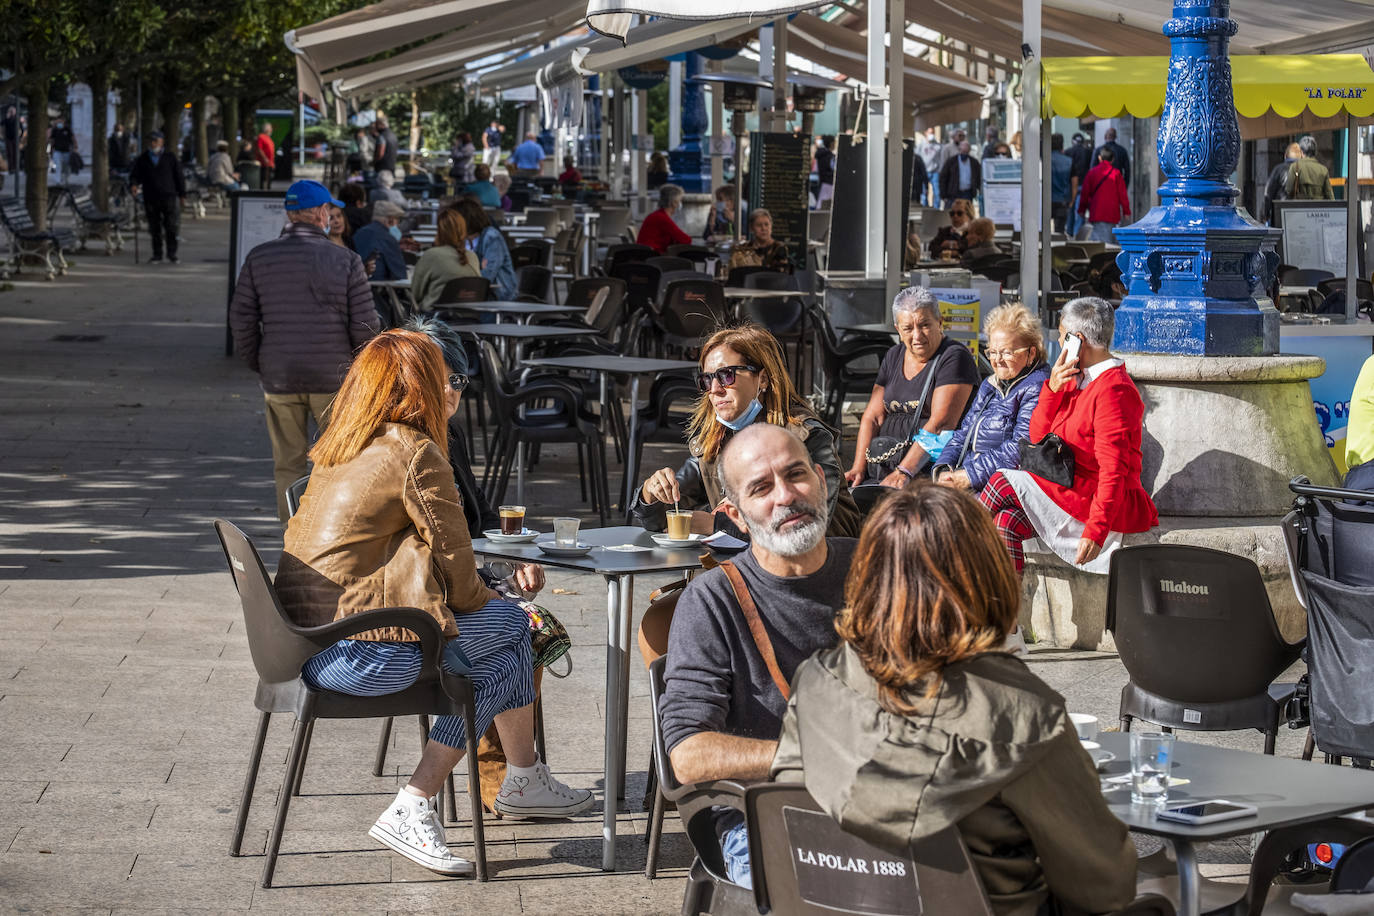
{"x":540,"y":795}
{"x":1016,"y":644}
{"x":411,"y":826}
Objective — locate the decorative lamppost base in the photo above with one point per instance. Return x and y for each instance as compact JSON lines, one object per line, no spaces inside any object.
{"x":1198,"y":283}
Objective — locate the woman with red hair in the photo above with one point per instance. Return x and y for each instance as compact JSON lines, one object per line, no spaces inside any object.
{"x":381,"y":525}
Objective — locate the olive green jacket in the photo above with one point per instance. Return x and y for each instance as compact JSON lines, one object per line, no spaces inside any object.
{"x":1308,"y":179}
{"x":993,"y":752}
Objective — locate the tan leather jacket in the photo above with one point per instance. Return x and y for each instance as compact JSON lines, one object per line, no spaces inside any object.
{"x":383,"y":530}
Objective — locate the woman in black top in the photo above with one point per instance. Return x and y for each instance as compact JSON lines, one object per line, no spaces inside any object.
{"x":952,"y":238}
{"x":900,"y":407}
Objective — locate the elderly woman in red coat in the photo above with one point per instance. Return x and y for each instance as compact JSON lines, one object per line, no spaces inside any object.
{"x":1091,"y":403}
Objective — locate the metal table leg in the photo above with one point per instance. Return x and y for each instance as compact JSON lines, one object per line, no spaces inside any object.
{"x":627,"y":616}
{"x":631,"y":465}
{"x":1189,"y":879}
{"x":614,"y":723}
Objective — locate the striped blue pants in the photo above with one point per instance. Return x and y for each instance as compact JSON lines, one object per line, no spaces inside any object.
{"x":492,"y":648}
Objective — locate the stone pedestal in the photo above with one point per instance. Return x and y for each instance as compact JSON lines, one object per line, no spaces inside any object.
{"x":1222,"y":438}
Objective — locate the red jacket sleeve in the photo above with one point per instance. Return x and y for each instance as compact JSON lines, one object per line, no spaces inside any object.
{"x":1042,"y":418}
{"x":1123,"y":197}
{"x":1118,"y":415}
{"x":677,"y":235}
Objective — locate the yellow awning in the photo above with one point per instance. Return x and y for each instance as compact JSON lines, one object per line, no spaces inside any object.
{"x":1287,"y":84}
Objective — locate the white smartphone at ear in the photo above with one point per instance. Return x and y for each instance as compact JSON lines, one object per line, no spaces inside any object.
{"x":1071,"y":347}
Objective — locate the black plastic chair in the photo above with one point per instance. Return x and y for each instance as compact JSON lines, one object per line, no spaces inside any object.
{"x":736,"y":275}
{"x":1303,"y":276}
{"x":279,"y":648}
{"x":666,"y":263}
{"x":850,"y":366}
{"x":624,"y":253}
{"x":663,"y":418}
{"x":610,"y":314}
{"x":1175,"y":610}
{"x":694,"y":253}
{"x":692,"y":308}
{"x":641,"y":283}
{"x":527,"y":421}
{"x":533,"y":283}
{"x":785,"y":319}
{"x":464,"y":289}
{"x":538,"y":252}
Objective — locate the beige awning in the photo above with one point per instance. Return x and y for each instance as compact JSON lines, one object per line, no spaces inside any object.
{"x":657,"y":40}
{"x":613,"y":17}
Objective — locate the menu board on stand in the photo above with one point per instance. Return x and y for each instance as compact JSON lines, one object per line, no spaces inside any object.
{"x":254,"y":217}
{"x":779,"y":168}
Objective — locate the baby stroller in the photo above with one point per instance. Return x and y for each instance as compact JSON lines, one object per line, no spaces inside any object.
{"x":1329,"y":539}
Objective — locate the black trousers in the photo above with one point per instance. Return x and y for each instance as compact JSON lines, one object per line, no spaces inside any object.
{"x":164,"y":220}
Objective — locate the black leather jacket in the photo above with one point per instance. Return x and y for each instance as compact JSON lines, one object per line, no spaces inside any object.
{"x":700,"y":484}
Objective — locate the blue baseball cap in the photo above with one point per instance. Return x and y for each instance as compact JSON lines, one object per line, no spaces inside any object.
{"x":303,"y":195}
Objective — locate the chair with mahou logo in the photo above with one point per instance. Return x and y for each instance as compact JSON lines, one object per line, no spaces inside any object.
{"x":1196,"y":632}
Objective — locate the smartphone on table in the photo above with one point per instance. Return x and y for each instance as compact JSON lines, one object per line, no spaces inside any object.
{"x":1206,"y":812}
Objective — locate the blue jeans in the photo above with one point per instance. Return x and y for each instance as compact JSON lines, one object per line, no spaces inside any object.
{"x":734,"y":846}
{"x":1103,"y":232}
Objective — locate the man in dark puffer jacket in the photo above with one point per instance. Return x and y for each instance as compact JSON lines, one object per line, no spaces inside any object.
{"x":301,"y":308}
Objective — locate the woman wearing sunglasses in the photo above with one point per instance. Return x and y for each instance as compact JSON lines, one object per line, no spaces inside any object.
{"x":381,"y":525}
{"x":743,"y":378}
{"x":953,"y":238}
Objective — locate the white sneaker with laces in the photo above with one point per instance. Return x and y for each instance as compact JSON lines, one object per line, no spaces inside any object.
{"x":540,"y":795}
{"x":411,"y":826}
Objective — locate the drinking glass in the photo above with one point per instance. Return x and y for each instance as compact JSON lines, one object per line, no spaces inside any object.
{"x":1152,"y":754}
{"x":565,"y":532}
{"x":512,"y":519}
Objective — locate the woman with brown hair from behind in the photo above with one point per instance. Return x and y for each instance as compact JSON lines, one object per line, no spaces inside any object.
{"x":448,"y":259}
{"x":918,"y":720}
{"x":743,"y":378}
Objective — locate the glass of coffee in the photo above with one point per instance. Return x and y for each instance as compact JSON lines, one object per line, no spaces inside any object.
{"x":679,"y":524}
{"x":512,"y":519}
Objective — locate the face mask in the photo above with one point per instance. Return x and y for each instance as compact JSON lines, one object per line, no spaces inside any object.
{"x":744,"y":419}
{"x":328,"y":228}
{"x":395,"y":232}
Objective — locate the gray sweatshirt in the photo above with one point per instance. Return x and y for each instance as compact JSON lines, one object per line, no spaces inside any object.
{"x":715,"y":679}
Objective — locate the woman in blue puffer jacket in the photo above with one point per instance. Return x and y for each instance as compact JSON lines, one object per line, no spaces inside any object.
{"x":999,"y":417}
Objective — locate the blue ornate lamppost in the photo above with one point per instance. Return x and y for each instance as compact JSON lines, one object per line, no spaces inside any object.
{"x":1197,"y":269}
{"x":685,"y":161}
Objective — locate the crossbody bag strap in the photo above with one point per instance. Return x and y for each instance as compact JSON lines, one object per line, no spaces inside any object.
{"x":756,"y":630}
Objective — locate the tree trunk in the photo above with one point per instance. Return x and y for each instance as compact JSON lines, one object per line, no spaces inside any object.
{"x":100,"y":131}
{"x":414,"y":128}
{"x":36,"y":154}
{"x":198,"y":133}
{"x":148,"y":116}
{"x":171,"y":121}
{"x":229,"y":112}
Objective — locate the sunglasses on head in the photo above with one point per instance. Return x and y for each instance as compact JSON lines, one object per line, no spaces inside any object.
{"x":725,"y":375}
{"x":458,"y":381}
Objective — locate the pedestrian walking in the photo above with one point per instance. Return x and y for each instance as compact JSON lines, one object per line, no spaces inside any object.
{"x":1082,"y":155}
{"x":61,"y":143}
{"x":527,"y":159}
{"x":265,"y":151}
{"x":962,"y":176}
{"x":990,"y":143}
{"x":118,"y":149}
{"x":1104,"y":200}
{"x":301,"y":308}
{"x":933,"y":155}
{"x":9,"y":136}
{"x":384,"y":153}
{"x":1308,"y":179}
{"x":1120,"y":161}
{"x":1276,"y":188}
{"x":158,"y":173}
{"x":1061,"y":170}
{"x":491,"y":144}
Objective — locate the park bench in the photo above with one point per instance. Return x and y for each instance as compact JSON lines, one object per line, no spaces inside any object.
{"x":91,"y":222}
{"x":28,"y":241}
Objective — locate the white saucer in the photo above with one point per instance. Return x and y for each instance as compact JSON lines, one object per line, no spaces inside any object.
{"x":524,"y":537}
{"x":663,"y":540}
{"x":553,"y":550}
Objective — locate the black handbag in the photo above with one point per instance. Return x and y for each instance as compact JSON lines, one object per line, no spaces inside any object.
{"x":1050,"y":458}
